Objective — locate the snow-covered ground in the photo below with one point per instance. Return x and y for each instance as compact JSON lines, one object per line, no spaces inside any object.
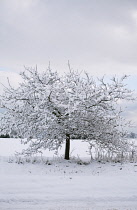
{"x":55,"y":184}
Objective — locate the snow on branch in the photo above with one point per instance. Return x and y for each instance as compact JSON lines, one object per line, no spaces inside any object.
{"x":47,"y":107}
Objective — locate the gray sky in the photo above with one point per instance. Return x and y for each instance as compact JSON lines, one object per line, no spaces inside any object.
{"x":99,"y":36}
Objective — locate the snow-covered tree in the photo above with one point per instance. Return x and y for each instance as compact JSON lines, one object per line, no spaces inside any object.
{"x":46,"y":110}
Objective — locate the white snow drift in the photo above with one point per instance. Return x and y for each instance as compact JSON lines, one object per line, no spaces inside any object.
{"x":57,"y":184}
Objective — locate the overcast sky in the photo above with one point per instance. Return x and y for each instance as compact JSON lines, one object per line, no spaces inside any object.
{"x":99,"y":36}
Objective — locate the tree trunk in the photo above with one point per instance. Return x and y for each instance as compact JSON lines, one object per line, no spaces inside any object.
{"x":67,"y":149}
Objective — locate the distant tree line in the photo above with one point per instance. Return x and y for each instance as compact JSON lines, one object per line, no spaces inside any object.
{"x":5,"y":136}
{"x":132,"y":135}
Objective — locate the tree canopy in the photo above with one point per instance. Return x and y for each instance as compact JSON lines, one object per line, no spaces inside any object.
{"x":47,"y":109}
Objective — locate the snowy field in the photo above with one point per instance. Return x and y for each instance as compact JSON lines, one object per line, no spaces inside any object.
{"x":56,"y":184}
